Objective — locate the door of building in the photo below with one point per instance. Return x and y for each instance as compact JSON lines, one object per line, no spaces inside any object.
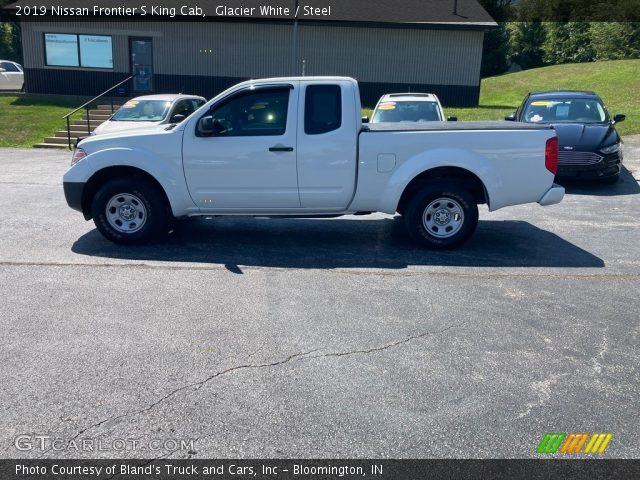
{"x":142,"y":64}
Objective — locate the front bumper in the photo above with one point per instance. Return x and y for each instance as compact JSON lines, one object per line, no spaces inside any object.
{"x":609,"y":166}
{"x":554,"y":195}
{"x":73,"y":194}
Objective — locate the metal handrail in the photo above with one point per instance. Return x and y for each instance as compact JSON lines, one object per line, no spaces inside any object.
{"x":86,"y":107}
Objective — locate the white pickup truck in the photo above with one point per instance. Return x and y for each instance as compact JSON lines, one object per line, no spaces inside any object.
{"x":297,"y":147}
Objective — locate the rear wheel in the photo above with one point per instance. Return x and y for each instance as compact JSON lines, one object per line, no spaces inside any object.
{"x":441,"y":215}
{"x":130,"y":211}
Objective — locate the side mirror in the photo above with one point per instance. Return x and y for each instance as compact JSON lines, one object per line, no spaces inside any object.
{"x":207,"y":126}
{"x":452,"y":119}
{"x":618,"y":117}
{"x":365,"y":119}
{"x":510,"y":118}
{"x":177,"y":118}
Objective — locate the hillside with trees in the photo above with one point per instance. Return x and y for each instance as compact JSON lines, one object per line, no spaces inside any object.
{"x":526,"y":38}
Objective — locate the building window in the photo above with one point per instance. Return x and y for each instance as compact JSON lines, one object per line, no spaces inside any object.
{"x":96,"y":51}
{"x":322,"y":109}
{"x":70,"y":50}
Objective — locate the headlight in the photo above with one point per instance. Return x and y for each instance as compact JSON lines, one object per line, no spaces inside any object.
{"x":78,"y":155}
{"x":611,"y":149}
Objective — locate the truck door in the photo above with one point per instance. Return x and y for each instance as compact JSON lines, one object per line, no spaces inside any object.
{"x":327,"y":144}
{"x":246,"y":158}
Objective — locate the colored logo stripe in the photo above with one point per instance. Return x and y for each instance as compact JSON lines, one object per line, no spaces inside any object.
{"x":550,"y":442}
{"x":574,"y":442}
{"x":598,"y":443}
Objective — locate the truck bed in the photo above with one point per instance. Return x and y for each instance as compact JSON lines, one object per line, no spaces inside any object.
{"x":447,"y":126}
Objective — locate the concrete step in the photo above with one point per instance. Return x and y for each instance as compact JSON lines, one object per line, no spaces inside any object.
{"x":74,"y":133}
{"x":94,"y":114}
{"x":80,"y":127}
{"x":82,"y":124}
{"x":59,"y":140}
{"x":51,"y":145}
{"x":116,"y":106}
{"x":92,"y":120}
{"x":98,"y":116}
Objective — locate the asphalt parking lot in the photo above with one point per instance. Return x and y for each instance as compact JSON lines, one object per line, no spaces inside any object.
{"x":319,"y":338}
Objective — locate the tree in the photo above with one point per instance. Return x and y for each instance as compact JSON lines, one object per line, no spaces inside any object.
{"x":10,"y":42}
{"x":10,"y":45}
{"x":495,"y":51}
{"x":615,"y":40}
{"x":526,"y":43}
{"x":500,"y":10}
{"x":495,"y":48}
{"x":568,"y":42}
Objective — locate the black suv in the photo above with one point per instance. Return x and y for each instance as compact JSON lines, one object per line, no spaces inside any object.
{"x":589,"y":146}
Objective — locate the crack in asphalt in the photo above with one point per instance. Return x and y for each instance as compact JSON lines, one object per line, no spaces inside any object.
{"x":308,"y":355}
{"x":389,"y":345}
{"x":196,"y":386}
{"x":372,"y":271}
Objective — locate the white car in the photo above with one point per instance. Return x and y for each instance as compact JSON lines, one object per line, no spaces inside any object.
{"x":11,"y":75}
{"x":150,"y":111}
{"x":296,"y":147}
{"x":409,"y":107}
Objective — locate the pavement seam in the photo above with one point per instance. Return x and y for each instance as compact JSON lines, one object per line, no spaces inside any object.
{"x":223,"y":268}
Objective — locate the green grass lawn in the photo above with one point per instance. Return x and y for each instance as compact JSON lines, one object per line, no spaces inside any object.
{"x":617,"y":82}
{"x":25,"y":121}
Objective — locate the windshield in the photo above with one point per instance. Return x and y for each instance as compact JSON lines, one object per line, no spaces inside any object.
{"x":565,"y":110}
{"x":407,"y":111}
{"x":142,"y":111}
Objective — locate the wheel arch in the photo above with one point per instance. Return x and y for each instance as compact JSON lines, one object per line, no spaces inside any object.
{"x":462,"y":176}
{"x":103,"y":175}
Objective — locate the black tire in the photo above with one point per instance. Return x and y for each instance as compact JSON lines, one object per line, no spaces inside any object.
{"x":142,"y":200}
{"x":443,"y":234}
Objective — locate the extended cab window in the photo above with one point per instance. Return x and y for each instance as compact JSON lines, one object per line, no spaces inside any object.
{"x":261,"y":113}
{"x":322,"y":109}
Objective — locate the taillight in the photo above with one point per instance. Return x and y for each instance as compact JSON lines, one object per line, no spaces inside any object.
{"x":78,"y":155}
{"x":551,"y":155}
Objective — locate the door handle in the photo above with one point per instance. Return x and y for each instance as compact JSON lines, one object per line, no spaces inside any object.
{"x":281,"y":149}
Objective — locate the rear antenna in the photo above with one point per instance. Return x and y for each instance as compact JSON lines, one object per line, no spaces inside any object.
{"x":304,"y":67}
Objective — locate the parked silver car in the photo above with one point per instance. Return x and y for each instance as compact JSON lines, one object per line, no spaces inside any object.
{"x":150,"y":111}
{"x":11,"y":75}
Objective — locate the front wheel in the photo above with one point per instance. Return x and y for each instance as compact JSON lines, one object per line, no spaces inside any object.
{"x":441,"y":215}
{"x":130,"y":211}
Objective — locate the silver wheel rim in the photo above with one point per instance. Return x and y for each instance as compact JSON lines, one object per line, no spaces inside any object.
{"x":126,"y":213}
{"x":443,"y":218}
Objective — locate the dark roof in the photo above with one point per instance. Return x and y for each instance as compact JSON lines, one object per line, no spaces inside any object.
{"x":408,"y":12}
{"x":563,"y":93}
